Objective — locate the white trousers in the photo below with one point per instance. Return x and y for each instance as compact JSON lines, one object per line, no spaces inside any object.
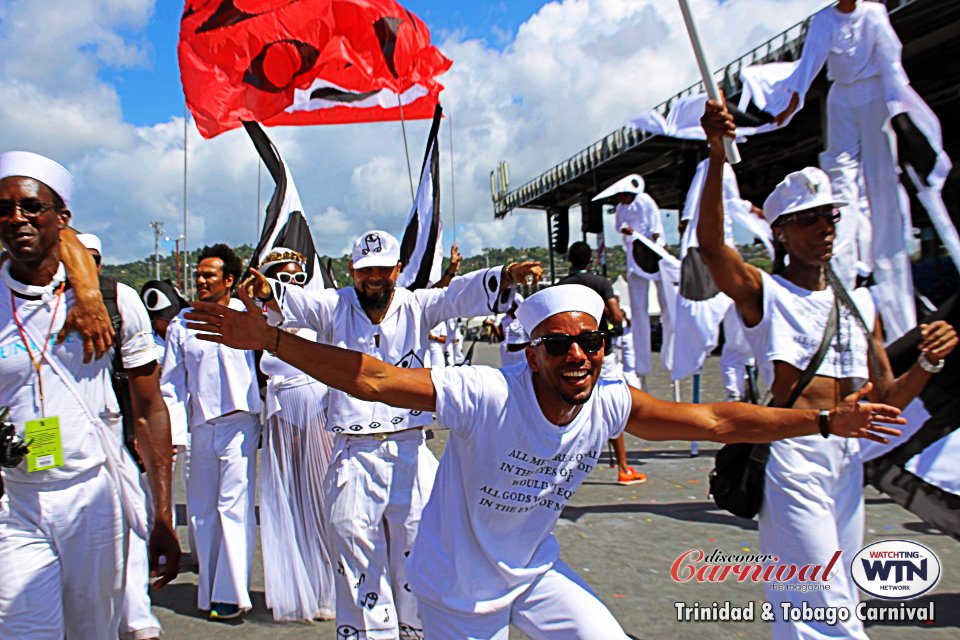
{"x":61,"y":553}
{"x":640,"y":322}
{"x":375,"y":491}
{"x":220,"y":500}
{"x":735,"y":356}
{"x":858,"y":137}
{"x":812,"y":508}
{"x":557,"y":606}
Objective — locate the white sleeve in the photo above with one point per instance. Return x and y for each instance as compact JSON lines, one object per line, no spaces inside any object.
{"x":173,"y":376}
{"x":473,"y":294}
{"x":137,"y":346}
{"x":617,"y":402}
{"x":888,"y":50}
{"x":309,"y":309}
{"x":816,"y":48}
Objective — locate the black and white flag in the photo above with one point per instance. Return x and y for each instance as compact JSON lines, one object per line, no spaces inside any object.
{"x":920,"y":471}
{"x":284,"y":224}
{"x":421,"y":249}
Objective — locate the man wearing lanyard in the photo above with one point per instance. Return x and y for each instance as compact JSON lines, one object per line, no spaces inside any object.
{"x":73,"y":496}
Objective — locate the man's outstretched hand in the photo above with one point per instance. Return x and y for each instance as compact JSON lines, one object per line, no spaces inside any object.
{"x":854,"y":418}
{"x":236,"y":329}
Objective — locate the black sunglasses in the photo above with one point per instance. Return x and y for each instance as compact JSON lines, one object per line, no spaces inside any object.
{"x":558,"y":344}
{"x":30,"y":207}
{"x":810,"y":218}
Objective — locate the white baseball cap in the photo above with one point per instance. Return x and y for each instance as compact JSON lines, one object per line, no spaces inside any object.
{"x":33,"y":165}
{"x":808,"y":188}
{"x":375,"y":249}
{"x":633,"y":183}
{"x":91,"y":242}
{"x":560,"y":298}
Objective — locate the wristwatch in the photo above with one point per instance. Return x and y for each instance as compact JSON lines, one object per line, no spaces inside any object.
{"x":930,"y":368}
{"x":823,"y":419}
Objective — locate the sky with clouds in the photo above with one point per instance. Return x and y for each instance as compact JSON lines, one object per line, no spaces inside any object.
{"x":95,"y":85}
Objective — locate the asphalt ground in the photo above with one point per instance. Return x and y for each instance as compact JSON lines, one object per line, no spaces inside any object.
{"x":623,"y":541}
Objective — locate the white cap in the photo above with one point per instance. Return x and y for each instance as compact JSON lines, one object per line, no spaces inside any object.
{"x":375,"y":249}
{"x":43,"y":169}
{"x":91,"y":242}
{"x":633,"y":183}
{"x":808,"y":188}
{"x":561,"y":298}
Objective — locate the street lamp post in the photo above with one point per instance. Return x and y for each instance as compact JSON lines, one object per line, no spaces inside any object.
{"x":157,"y":234}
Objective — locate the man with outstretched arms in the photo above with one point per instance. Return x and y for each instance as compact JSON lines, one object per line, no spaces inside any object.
{"x":382,"y":472}
{"x":486,"y":556}
{"x":73,"y":492}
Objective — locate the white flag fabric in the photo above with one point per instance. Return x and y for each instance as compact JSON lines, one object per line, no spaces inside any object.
{"x":421,"y":249}
{"x":284,"y":224}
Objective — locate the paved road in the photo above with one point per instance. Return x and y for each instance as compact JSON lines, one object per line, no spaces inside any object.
{"x":623,"y":540}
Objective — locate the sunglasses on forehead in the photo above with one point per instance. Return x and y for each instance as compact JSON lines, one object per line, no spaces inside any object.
{"x":558,"y":344}
{"x":810,"y":218}
{"x":30,"y":207}
{"x":286,"y":277}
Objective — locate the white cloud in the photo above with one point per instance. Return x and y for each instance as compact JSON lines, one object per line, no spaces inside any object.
{"x":573,"y":72}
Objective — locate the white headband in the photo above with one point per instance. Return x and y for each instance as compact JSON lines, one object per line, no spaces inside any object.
{"x":561,"y":298}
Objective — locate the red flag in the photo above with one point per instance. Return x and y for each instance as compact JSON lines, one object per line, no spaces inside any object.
{"x":305,"y":62}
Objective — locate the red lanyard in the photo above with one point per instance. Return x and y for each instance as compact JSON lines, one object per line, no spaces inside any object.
{"x":46,"y":343}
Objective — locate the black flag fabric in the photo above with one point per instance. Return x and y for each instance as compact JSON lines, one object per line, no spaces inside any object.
{"x":284,"y":224}
{"x":421,"y":249}
{"x":921,"y":470}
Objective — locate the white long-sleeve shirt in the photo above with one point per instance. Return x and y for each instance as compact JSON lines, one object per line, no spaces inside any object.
{"x":208,"y":379}
{"x":855,"y":46}
{"x":400,"y":338}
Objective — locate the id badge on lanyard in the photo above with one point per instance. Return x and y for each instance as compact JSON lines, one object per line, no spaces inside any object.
{"x":43,"y":434}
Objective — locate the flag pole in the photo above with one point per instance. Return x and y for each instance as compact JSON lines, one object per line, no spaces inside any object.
{"x":186,"y":253}
{"x":453,"y":195}
{"x":709,"y":82}
{"x":406,"y":149}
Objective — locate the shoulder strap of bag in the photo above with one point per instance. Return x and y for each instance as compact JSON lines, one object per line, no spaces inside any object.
{"x":840,"y":293}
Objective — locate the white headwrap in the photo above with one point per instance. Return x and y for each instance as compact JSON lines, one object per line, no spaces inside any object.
{"x":561,"y":298}
{"x":45,"y":170}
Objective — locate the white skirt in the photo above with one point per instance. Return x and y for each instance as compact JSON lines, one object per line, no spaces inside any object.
{"x":297,"y":568}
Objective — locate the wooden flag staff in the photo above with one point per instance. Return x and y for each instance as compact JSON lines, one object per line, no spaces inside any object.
{"x":709,"y":82}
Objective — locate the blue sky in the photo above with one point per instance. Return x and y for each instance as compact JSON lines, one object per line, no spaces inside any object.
{"x":533,"y":82}
{"x":150,"y":93}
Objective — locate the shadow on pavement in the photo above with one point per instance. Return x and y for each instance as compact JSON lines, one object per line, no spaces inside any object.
{"x":684,"y":511}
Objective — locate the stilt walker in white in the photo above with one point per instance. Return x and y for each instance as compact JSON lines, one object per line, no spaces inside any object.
{"x":873,"y":115}
{"x":813,"y":497}
{"x":217,"y":387}
{"x":73,"y":493}
{"x":381,"y":472}
{"x":486,"y":557}
{"x":637,"y":213}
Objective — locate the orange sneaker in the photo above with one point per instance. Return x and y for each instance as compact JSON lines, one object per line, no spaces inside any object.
{"x":630,"y":477}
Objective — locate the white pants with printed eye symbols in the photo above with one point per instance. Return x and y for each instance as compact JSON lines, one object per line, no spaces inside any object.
{"x":375,"y":491}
